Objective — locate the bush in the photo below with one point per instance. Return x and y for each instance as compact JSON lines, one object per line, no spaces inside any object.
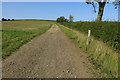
{"x":3,"y":19}
{"x":105,"y":31}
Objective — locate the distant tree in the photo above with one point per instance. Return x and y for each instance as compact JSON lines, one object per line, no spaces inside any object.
{"x":13,"y":19}
{"x":61,"y":19}
{"x":58,"y":20}
{"x":8,"y":19}
{"x":66,"y":20}
{"x":3,"y":19}
{"x":71,"y":18}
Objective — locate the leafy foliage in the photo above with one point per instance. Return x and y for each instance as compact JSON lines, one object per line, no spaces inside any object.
{"x":61,"y":19}
{"x":105,"y":31}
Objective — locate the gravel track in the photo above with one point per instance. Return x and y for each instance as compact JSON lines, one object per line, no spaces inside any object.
{"x":51,"y":55}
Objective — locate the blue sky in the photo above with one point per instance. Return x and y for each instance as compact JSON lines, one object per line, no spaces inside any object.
{"x":52,"y":10}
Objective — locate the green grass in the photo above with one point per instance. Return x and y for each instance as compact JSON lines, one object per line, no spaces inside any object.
{"x":24,"y":25}
{"x":16,"y":33}
{"x":100,"y":54}
{"x":105,"y":31}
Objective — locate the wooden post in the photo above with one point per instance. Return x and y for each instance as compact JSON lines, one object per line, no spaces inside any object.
{"x":88,"y":39}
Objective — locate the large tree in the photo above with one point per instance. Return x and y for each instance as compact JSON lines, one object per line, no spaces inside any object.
{"x":71,"y":18}
{"x":101,"y":5}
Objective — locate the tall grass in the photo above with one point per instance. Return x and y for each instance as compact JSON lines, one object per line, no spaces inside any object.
{"x":16,"y":33}
{"x":101,"y":54}
{"x":105,"y":31}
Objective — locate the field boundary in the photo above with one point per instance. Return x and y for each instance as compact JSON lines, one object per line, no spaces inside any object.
{"x":100,"y":54}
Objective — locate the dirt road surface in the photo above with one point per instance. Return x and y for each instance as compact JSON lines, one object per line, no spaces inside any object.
{"x":51,"y":55}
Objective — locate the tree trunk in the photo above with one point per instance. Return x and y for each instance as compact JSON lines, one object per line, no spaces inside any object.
{"x":101,"y":10}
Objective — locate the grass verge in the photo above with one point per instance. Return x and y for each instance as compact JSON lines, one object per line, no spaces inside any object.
{"x":13,"y":39}
{"x":103,"y":31}
{"x":100,"y":54}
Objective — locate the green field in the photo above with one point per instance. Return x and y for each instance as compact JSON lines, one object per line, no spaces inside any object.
{"x":16,"y":33}
{"x":100,"y":53}
{"x":105,"y":31}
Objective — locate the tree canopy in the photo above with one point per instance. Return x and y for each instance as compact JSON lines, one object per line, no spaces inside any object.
{"x":62,"y":19}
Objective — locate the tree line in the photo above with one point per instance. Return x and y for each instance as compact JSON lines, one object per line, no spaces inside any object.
{"x":3,"y":19}
{"x":63,"y":19}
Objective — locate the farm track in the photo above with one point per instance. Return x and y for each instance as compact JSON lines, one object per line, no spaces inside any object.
{"x":51,"y":55}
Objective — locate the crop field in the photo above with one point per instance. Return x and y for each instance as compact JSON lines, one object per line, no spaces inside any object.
{"x":105,"y":31}
{"x":16,"y":33}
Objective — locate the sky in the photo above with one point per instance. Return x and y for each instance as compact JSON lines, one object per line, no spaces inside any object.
{"x":52,"y":10}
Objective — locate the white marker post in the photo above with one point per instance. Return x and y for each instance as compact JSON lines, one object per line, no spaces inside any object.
{"x":88,"y":40}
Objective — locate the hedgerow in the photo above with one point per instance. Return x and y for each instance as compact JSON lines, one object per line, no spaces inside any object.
{"x":105,"y":31}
